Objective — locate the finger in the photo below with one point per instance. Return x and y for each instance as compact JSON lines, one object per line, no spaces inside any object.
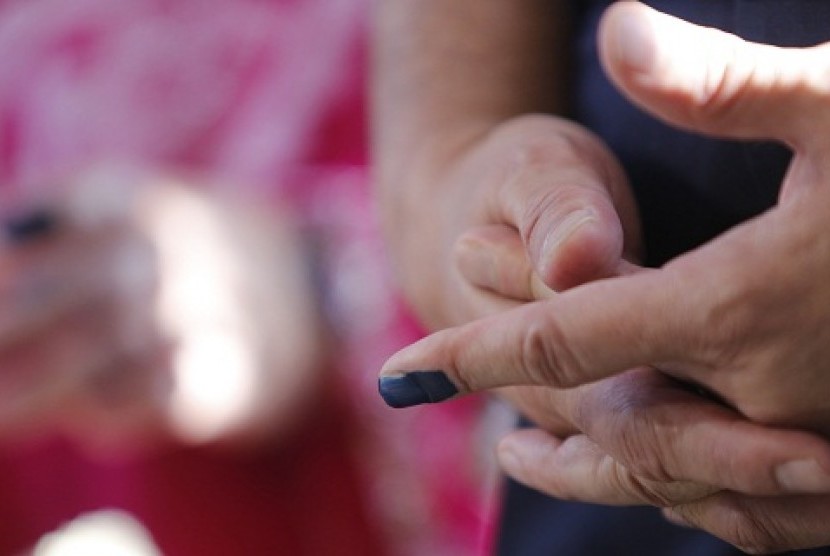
{"x":662,"y":430}
{"x":577,"y":469}
{"x":541,"y":406}
{"x":759,"y":525}
{"x":579,"y":336}
{"x":494,"y":258}
{"x":710,"y":81}
{"x":566,"y":196}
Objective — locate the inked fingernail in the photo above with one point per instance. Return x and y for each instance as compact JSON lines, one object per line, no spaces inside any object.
{"x":803,"y":476}
{"x":30,"y":225}
{"x":415,"y":388}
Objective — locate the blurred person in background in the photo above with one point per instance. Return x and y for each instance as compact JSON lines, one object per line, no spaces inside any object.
{"x":194,"y":291}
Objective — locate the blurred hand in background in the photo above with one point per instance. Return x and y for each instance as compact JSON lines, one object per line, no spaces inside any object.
{"x":137,"y":308}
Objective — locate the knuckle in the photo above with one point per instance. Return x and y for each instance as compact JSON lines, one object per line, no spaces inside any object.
{"x":533,"y":144}
{"x":728,"y":77}
{"x":645,"y":447}
{"x":554,"y":204}
{"x":464,"y":377}
{"x":546,"y":355}
{"x":751,"y":532}
{"x":454,"y":361}
{"x":552,"y":484}
{"x":650,"y":492}
{"x":529,"y":145}
{"x":748,"y":470}
{"x":535,"y":216}
{"x":717,"y":324}
{"x":547,"y":171}
{"x":618,"y":414}
{"x":536,"y":148}
{"x":725,"y":321}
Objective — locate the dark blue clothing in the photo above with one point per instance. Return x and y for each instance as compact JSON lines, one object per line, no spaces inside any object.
{"x":689,"y":189}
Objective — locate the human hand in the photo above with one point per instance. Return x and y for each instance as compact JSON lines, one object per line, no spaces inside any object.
{"x":644,"y":438}
{"x":149,"y":311}
{"x":731,"y":315}
{"x":61,"y":339}
{"x":549,"y":179}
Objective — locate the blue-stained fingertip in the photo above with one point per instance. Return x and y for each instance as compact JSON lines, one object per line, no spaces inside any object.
{"x":20,"y":228}
{"x":415,"y":388}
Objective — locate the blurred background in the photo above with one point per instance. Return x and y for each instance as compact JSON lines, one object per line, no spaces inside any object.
{"x":194,"y":300}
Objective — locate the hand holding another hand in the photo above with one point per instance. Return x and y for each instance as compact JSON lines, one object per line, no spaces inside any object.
{"x":745,"y":316}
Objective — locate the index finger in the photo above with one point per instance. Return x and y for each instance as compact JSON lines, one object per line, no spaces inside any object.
{"x":582,"y":335}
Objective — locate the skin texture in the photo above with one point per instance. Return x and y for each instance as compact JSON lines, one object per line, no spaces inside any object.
{"x":736,"y":315}
{"x":456,"y":147}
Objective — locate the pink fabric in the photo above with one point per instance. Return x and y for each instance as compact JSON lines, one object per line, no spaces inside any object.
{"x":302,"y":496}
{"x":267,"y":95}
{"x":236,"y":87}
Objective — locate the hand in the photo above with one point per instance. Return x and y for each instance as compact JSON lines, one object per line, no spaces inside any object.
{"x":460,"y":140}
{"x":643,"y":438}
{"x":121,"y":297}
{"x":734,"y":315}
{"x":551,"y":180}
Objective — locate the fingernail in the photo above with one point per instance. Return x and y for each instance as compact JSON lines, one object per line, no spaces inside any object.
{"x":415,"y":388}
{"x":23,"y":227}
{"x":509,"y":460}
{"x":673,"y":516}
{"x":803,"y":476}
{"x":560,"y":234}
{"x":635,"y":42}
{"x":565,"y":229}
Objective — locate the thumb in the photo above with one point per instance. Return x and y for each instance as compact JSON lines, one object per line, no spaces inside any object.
{"x":565,"y":195}
{"x":495,"y":259}
{"x":713,"y":82}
